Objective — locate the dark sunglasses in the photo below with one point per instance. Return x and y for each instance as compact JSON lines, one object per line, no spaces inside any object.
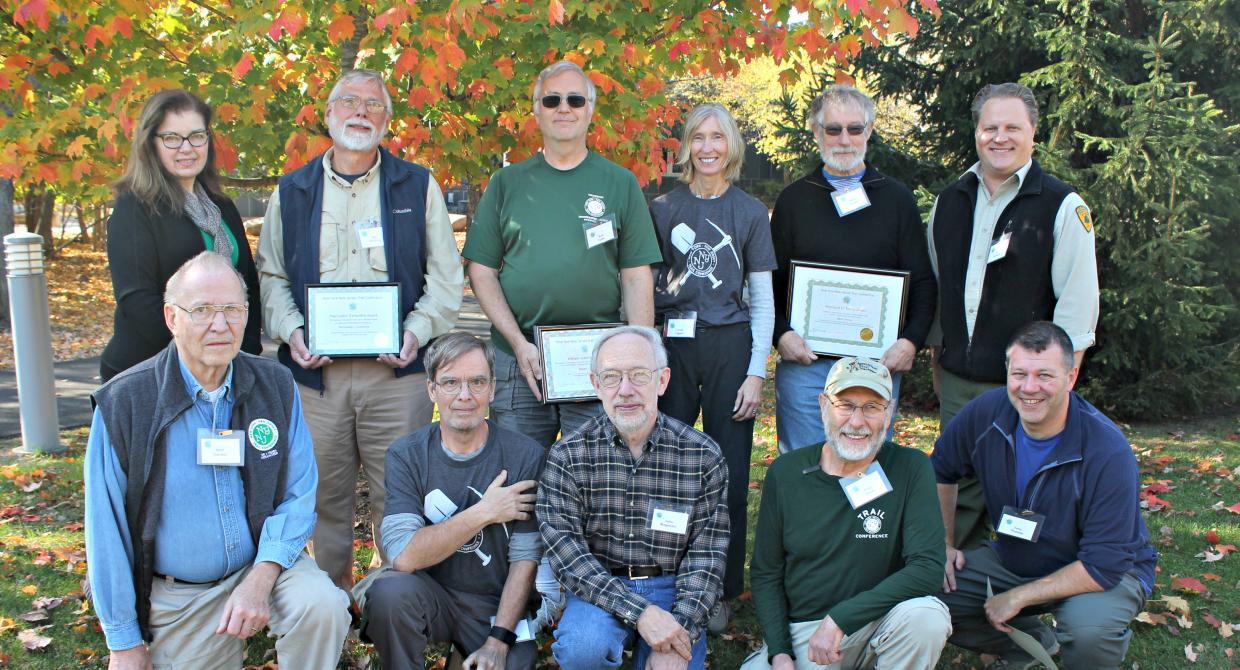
{"x":834,"y":130}
{"x":552,"y":101}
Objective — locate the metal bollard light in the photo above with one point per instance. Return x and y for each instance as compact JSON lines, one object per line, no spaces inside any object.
{"x":32,"y":343}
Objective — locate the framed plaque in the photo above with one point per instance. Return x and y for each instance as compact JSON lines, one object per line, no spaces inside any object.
{"x":846,"y":311}
{"x":564,"y":352}
{"x":354,"y":319}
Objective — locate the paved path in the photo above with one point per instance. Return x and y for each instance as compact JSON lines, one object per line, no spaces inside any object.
{"x":77,"y":379}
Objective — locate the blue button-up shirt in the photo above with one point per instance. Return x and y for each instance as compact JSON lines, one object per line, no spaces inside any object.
{"x":202,"y":533}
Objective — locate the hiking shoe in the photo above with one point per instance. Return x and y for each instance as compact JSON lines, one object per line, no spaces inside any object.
{"x":548,"y":614}
{"x":717,"y":624}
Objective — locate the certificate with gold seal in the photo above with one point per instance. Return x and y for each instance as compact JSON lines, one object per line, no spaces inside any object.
{"x":842,"y":310}
{"x":564,"y":353}
{"x":353,"y":319}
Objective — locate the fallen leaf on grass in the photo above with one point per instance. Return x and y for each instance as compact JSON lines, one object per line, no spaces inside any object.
{"x":1154,"y":504}
{"x":32,"y":641}
{"x":1211,"y":577}
{"x":1226,"y":631}
{"x":1224,"y":549}
{"x":7,"y":624}
{"x":1212,"y":536}
{"x":1176,"y":604}
{"x":1211,"y":619}
{"x":1188,"y":584}
{"x":1189,"y":653}
{"x":34,"y":616}
{"x":1152,"y":618}
{"x":1209,"y":556}
{"x":46,"y":603}
{"x":32,"y":487}
{"x":30,"y":589}
{"x":1234,"y":509}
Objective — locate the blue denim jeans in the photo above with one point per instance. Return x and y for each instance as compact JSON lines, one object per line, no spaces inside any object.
{"x":590,"y":638}
{"x":798,"y":418}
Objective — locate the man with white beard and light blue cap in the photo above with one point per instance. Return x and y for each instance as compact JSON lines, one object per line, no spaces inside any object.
{"x":845,"y":557}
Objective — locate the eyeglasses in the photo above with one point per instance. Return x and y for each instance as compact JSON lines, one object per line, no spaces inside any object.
{"x":351,"y":102}
{"x":452,"y":385}
{"x":552,"y":101}
{"x":173,"y":140}
{"x":206,"y":313}
{"x":870,"y":410}
{"x":834,"y":129}
{"x":637,"y":377}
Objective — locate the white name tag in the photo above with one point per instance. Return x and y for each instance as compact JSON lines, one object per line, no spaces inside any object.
{"x":852,"y":200}
{"x":669,"y":521}
{"x":681,"y":325}
{"x":600,"y":231}
{"x":999,"y":248}
{"x":220,"y":447}
{"x":1022,"y":524}
{"x":861,"y":490}
{"x":369,"y":234}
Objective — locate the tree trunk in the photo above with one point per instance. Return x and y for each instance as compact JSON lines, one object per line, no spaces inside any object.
{"x":99,"y":241}
{"x":6,"y":227}
{"x":84,"y":230}
{"x":47,"y":212}
{"x":348,"y":50}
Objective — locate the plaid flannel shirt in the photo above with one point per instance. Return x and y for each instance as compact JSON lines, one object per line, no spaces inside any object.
{"x":595,"y":503}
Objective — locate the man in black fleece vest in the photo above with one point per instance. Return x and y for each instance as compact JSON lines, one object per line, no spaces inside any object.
{"x":200,"y":482}
{"x":1010,"y":245}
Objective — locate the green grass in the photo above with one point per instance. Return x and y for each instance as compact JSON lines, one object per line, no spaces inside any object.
{"x":41,"y":549}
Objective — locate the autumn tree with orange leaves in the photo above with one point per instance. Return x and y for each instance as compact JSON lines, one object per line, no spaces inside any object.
{"x":74,"y":74}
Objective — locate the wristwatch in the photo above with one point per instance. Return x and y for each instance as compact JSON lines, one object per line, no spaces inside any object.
{"x":504,"y":635}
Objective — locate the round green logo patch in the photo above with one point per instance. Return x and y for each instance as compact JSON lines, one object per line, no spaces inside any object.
{"x":263,"y":434}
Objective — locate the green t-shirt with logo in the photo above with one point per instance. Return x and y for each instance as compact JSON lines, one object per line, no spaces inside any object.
{"x":531,"y":225}
{"x":814,"y":555}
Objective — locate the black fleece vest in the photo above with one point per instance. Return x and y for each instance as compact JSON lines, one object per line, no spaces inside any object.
{"x":1017,"y":288}
{"x":139,"y":405}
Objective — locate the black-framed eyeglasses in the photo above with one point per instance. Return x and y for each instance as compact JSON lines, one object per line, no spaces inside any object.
{"x":452,"y":385}
{"x":870,"y":410}
{"x":201,"y":314}
{"x":552,"y":100}
{"x":172,"y":140}
{"x":637,"y":377}
{"x":351,"y":103}
{"x":834,"y":129}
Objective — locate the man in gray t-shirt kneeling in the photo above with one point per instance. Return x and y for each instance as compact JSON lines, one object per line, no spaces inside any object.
{"x":459,"y":522}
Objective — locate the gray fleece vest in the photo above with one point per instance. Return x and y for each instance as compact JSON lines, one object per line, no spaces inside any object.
{"x":139,"y":405}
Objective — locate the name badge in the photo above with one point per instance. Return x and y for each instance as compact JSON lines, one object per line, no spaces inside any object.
{"x":369,"y":234}
{"x":852,"y":200}
{"x":599,"y":230}
{"x":861,"y":490}
{"x":220,"y":447}
{"x":680,"y":324}
{"x":999,"y":248}
{"x":1021,"y":524}
{"x":669,"y":518}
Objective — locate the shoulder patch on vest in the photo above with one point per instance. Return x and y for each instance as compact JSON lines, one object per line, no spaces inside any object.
{"x":263,"y":434}
{"x":1082,"y":213}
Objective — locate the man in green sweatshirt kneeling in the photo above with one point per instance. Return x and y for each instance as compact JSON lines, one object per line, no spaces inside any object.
{"x":846,"y":553}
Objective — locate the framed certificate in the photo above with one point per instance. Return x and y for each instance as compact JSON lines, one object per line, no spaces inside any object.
{"x":564,"y":352}
{"x":846,"y":311}
{"x":355,"y":319}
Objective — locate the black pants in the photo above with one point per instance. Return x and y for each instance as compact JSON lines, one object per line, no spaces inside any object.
{"x":707,"y":371}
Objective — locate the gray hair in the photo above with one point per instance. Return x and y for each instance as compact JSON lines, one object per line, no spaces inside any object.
{"x":207,"y":260}
{"x":357,"y":76}
{"x":650,"y":334}
{"x":841,"y":95}
{"x":736,"y":144}
{"x":564,"y":66}
{"x":1039,"y":336}
{"x":447,"y":349}
{"x":1008,"y":90}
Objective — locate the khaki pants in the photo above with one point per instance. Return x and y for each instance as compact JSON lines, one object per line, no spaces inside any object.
{"x":909,"y":637}
{"x":972,"y":523}
{"x":363,"y":409}
{"x":309,"y":615}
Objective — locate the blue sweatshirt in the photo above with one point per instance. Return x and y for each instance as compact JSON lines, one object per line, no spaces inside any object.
{"x":1088,"y":489}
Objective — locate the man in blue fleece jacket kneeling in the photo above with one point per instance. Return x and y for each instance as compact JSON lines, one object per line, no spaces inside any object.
{"x":1061,"y":487}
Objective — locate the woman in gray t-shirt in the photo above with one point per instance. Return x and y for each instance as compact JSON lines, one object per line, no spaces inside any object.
{"x":716,"y":243}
